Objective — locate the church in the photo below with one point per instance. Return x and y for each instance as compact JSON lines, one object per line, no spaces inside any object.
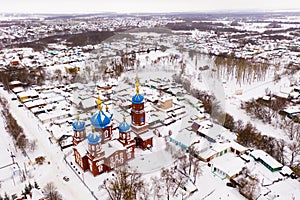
{"x":97,"y":152}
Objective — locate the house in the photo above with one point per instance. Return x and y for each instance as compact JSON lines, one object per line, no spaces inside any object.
{"x":209,"y":130}
{"x":17,"y":90}
{"x":185,"y":138}
{"x":88,"y":104}
{"x":227,"y":166}
{"x":35,"y":103}
{"x":267,"y":160}
{"x":52,"y":116}
{"x":165,"y":102}
{"x":292,"y":110}
{"x":25,"y":96}
{"x":14,"y":84}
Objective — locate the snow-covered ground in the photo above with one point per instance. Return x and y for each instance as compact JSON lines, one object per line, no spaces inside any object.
{"x":53,"y":170}
{"x":147,"y":162}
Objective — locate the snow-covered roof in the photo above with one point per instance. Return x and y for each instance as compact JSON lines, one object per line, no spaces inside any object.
{"x":82,"y":148}
{"x":147,"y":135}
{"x":237,"y":146}
{"x":186,"y":137}
{"x":18,"y":89}
{"x":36,"y":194}
{"x":111,"y":147}
{"x":211,"y":130}
{"x":292,"y":109}
{"x":286,"y":170}
{"x":201,"y":146}
{"x":55,"y":99}
{"x":52,"y":115}
{"x":260,"y":154}
{"x":35,"y":103}
{"x":88,"y":103}
{"x":165,"y":98}
{"x":15,"y":82}
{"x":29,"y":93}
{"x":228,"y":163}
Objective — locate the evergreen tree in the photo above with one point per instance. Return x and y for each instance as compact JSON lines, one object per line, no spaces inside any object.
{"x":1,"y":198}
{"x":6,"y":197}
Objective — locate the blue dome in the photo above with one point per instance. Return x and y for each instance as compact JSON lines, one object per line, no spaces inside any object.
{"x":78,"y":125}
{"x":137,"y":99}
{"x":124,"y":127}
{"x":94,"y":138}
{"x":100,"y":119}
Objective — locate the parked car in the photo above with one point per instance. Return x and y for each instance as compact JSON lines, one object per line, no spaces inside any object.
{"x":66,"y":178}
{"x":230,"y":185}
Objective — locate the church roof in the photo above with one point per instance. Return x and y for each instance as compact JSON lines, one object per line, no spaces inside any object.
{"x":94,"y":138}
{"x":124,"y":127}
{"x":137,"y":99}
{"x":101,"y":119}
{"x":78,"y":125}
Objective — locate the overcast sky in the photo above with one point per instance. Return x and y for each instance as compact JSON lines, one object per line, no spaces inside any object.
{"x":129,"y":6}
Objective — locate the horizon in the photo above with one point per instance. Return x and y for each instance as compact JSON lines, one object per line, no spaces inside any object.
{"x":144,"y":7}
{"x":157,"y":13}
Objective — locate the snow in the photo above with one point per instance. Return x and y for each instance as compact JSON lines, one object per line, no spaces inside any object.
{"x":212,"y":187}
{"x":111,"y":147}
{"x":53,"y":172}
{"x":147,"y":135}
{"x":259,"y":154}
{"x":34,"y":103}
{"x":150,"y":162}
{"x":229,"y":163}
{"x":292,"y":109}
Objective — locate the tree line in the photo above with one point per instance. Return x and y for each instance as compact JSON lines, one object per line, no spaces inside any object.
{"x":15,"y":130}
{"x":49,"y":191}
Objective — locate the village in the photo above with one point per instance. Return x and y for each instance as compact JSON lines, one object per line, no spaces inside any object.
{"x":119,"y":103}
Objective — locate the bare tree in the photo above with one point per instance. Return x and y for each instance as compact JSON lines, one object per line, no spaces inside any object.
{"x":249,"y":187}
{"x":125,"y":185}
{"x":196,"y":170}
{"x":291,"y":129}
{"x":168,"y":182}
{"x":51,"y":193}
{"x":295,"y":151}
{"x":157,"y":188}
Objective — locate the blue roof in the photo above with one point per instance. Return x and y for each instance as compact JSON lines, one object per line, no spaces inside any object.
{"x":100,"y":119}
{"x":124,"y":127}
{"x":94,"y":138}
{"x":137,"y":99}
{"x":78,"y":125}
